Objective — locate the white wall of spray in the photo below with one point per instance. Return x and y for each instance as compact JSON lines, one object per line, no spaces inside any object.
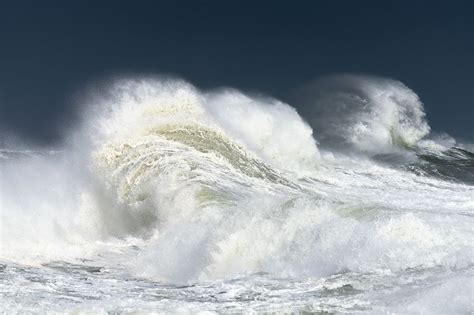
{"x":207,"y":219}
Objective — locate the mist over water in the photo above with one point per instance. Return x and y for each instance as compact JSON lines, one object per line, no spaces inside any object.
{"x":168,"y":198}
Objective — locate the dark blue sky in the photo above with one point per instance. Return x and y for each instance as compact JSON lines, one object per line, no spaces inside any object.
{"x":50,"y":50}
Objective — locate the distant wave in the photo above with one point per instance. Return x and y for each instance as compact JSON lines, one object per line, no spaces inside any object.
{"x":363,"y":113}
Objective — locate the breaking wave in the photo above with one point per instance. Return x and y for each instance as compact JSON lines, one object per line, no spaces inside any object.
{"x":190,"y":186}
{"x":363,"y":113}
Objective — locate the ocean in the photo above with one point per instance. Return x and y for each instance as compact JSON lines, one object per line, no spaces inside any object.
{"x":168,"y":199}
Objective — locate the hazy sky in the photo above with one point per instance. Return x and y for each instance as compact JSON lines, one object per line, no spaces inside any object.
{"x":50,"y":50}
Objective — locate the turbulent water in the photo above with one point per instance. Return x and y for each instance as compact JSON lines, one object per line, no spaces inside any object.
{"x":171,"y":199}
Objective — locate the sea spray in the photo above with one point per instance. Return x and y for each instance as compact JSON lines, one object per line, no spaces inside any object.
{"x":363,"y":114}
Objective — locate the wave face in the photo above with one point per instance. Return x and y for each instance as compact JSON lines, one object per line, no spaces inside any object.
{"x":178,"y":199}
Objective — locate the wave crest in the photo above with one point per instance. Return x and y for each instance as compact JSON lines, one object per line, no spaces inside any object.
{"x":137,"y":108}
